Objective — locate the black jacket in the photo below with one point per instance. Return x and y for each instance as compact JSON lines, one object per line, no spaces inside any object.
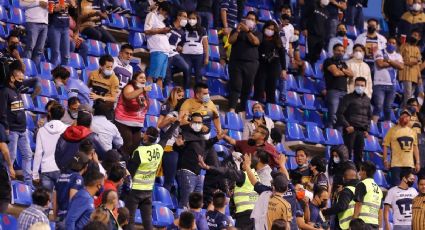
{"x":316,"y":21}
{"x":354,"y":110}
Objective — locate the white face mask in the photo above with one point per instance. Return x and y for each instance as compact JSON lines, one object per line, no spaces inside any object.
{"x":294,"y":38}
{"x":269,"y":32}
{"x":196,"y":127}
{"x":250,"y":23}
{"x":358,"y":55}
{"x":193,"y":22}
{"x":416,"y":7}
{"x":324,"y":2}
{"x":140,"y":85}
{"x":161,"y":17}
{"x":183,"y":22}
{"x":337,"y":160}
{"x":359,"y":89}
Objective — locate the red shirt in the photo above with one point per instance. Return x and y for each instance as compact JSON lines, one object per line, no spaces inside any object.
{"x":108,"y":185}
{"x":244,"y":148}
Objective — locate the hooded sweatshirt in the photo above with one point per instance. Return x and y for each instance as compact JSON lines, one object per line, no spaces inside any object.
{"x":47,"y":137}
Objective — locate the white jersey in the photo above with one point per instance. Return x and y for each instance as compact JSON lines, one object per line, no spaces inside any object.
{"x":400,"y":201}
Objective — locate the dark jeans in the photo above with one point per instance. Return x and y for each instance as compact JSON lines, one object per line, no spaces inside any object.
{"x":395,"y":175}
{"x":60,"y":45}
{"x":354,"y":17}
{"x":132,"y":138}
{"x":383,"y":97}
{"x":179,"y":63}
{"x":188,"y":182}
{"x":205,"y":17}
{"x":195,"y":62}
{"x":141,"y":200}
{"x":315,"y":46}
{"x":35,"y":40}
{"x":265,"y":81}
{"x":48,"y":179}
{"x":242,"y":75}
{"x":244,"y":221}
{"x":98,"y":33}
{"x":169,"y":162}
{"x":333,"y":97}
{"x":355,"y":145}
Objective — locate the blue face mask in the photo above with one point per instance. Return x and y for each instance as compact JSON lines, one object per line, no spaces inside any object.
{"x":391,"y":48}
{"x":206,"y":98}
{"x":258,"y":114}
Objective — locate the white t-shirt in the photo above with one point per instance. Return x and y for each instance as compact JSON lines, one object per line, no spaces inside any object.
{"x":400,"y":201}
{"x":383,"y":76}
{"x":157,"y":42}
{"x":123,"y":72}
{"x":286,"y":34}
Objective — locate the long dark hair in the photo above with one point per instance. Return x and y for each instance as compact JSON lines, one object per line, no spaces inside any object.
{"x":276,"y":39}
{"x":198,"y":27}
{"x":133,"y":81}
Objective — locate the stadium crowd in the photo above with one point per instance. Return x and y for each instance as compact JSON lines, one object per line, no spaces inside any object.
{"x":103,"y":140}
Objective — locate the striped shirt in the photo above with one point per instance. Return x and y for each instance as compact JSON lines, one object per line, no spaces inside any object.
{"x":32,"y":215}
{"x":410,"y":73}
{"x":231,"y":8}
{"x":418,"y":209}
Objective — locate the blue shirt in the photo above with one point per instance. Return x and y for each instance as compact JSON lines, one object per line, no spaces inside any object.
{"x":77,"y":88}
{"x":201,"y":221}
{"x":315,"y":215}
{"x":80,"y":209}
{"x":217,"y":220}
{"x":64,"y":184}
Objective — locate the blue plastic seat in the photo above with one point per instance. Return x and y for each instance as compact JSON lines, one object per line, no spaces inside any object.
{"x":30,"y":121}
{"x":113,"y":49}
{"x":265,"y":15}
{"x":294,"y":132}
{"x":150,"y":121}
{"x":311,"y":116}
{"x":213,"y":37}
{"x":352,"y":32}
{"x":162,"y":195}
{"x":293,"y":115}
{"x":214,"y":53}
{"x":135,"y":23}
{"x":162,"y":216}
{"x":138,"y":217}
{"x":217,"y":87}
{"x":214,"y":69}
{"x":303,"y":51}
{"x":45,"y":70}
{"x":3,"y":13}
{"x":21,"y":193}
{"x":380,"y":179}
{"x":371,"y":144}
{"x":76,"y":61}
{"x":3,"y":33}
{"x":8,"y":222}
{"x":28,"y":103}
{"x":154,"y":107}
{"x":333,"y":137}
{"x":309,"y":101}
{"x":117,"y":21}
{"x":291,"y":83}
{"x":234,"y":121}
{"x":293,"y":99}
{"x":188,"y":93}
{"x":85,"y":75}
{"x":72,"y":72}
{"x":248,"y":109}
{"x":248,"y":9}
{"x":16,"y":16}
{"x":30,"y":67}
{"x":137,"y":40}
{"x":318,"y":68}
{"x":306,"y":85}
{"x":291,"y":163}
{"x":374,"y":129}
{"x":40,"y":104}
{"x":376,"y":158}
{"x":15,"y":3}
{"x":96,"y":48}
{"x":92,"y":63}
{"x":280,"y":148}
{"x":314,"y":134}
{"x":237,"y":135}
{"x":385,"y":126}
{"x":125,"y":4}
{"x":156,"y":92}
{"x":274,"y":112}
{"x":48,"y":88}
{"x":309,"y":72}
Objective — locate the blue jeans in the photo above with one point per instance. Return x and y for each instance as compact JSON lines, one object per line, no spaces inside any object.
{"x":354,"y":17}
{"x":35,"y":40}
{"x":333,"y":97}
{"x":169,"y":160}
{"x":188,"y":182}
{"x":19,"y":140}
{"x":409,"y":89}
{"x":383,"y":97}
{"x":48,"y":179}
{"x":59,"y":43}
{"x":333,"y":23}
{"x":195,"y":62}
{"x":178,"y":62}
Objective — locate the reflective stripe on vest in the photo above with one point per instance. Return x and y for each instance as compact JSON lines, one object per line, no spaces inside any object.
{"x":245,"y":196}
{"x":150,"y":158}
{"x":346,"y":216}
{"x":371,"y":202}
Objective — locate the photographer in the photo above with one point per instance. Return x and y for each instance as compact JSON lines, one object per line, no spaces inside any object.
{"x":336,"y":72}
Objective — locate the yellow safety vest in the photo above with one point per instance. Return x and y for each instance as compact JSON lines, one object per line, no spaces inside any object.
{"x":150,"y":158}
{"x":346,"y":216}
{"x":371,"y":202}
{"x":245,"y":196}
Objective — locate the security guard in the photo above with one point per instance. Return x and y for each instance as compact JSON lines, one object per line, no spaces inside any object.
{"x":368,"y":197}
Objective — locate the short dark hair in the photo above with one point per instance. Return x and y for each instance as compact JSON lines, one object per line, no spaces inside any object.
{"x":199,"y":86}
{"x":361,"y":46}
{"x":73,"y":100}
{"x":165,"y":6}
{"x":105,"y":195}
{"x":56,"y":111}
{"x":412,"y":100}
{"x":41,"y":196}
{"x":84,"y":118}
{"x":95,"y":225}
{"x":101,"y":108}
{"x":49,"y":105}
{"x":319,"y":190}
{"x":79,"y":162}
{"x":219,"y":200}
{"x":195,"y":115}
{"x":357,"y":224}
{"x":373,"y":20}
{"x":60,"y":72}
{"x":361,"y":79}
{"x":319,"y":162}
{"x":116,"y":173}
{"x":337,"y":45}
{"x":186,"y":220}
{"x":15,"y":66}
{"x":252,"y":13}
{"x":14,"y":33}
{"x":91,"y":178}
{"x":405,"y":172}
{"x":279,"y":224}
{"x":267,"y":133}
{"x":263,"y":156}
{"x":152,"y":133}
{"x":369,"y":167}
{"x":126,"y":46}
{"x":86,"y":146}
{"x":180,"y":12}
{"x":416,"y":31}
{"x":299,"y":149}
{"x":196,"y":200}
{"x":285,"y":6}
{"x":105,"y":58}
{"x":123,"y":215}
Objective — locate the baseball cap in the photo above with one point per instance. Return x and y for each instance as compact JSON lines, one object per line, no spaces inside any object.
{"x":406,"y":111}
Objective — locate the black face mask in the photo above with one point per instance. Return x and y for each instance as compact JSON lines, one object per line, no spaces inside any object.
{"x":351,"y":182}
{"x":251,"y":142}
{"x":341,"y":33}
{"x":410,"y":183}
{"x":371,"y":29}
{"x":322,"y":204}
{"x":18,"y":84}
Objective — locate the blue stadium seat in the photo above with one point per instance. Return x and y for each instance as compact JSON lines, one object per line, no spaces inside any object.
{"x":96,"y":48}
{"x":76,"y":61}
{"x":292,"y":114}
{"x":150,"y":121}
{"x":376,"y":158}
{"x":214,"y":69}
{"x":154,"y":107}
{"x":213,"y":37}
{"x":3,"y":14}
{"x":15,"y":3}
{"x":274,"y":112}
{"x":137,"y":40}
{"x":45,"y":70}
{"x":113,"y":49}
{"x":313,"y":116}
{"x":62,"y":93}
{"x":323,"y":56}
{"x":280,"y":148}
{"x":8,"y":222}
{"x":40,"y":104}
{"x":371,"y":144}
{"x":333,"y":137}
{"x":21,"y":193}
{"x":188,"y":93}
{"x":384,"y":127}
{"x":235,"y":135}
{"x":31,"y":139}
{"x":162,"y":216}
{"x":291,"y":83}
{"x":217,"y":87}
{"x":303,"y":51}
{"x":28,"y":103}
{"x":318,"y":69}
{"x":248,"y":109}
{"x":159,"y":181}
{"x":30,"y":121}
{"x":234,"y":121}
{"x":328,"y":152}
{"x":92,"y":63}
{"x":125,"y":4}
{"x":156,"y":92}
{"x":321,"y":105}
{"x":265,"y":15}
{"x":214,"y":53}
{"x":302,"y":39}
{"x":309,"y":72}
{"x":314,"y":134}
{"x":85,"y":75}
{"x":266,"y":4}
{"x":293,"y":99}
{"x":3,"y":33}
{"x":380,"y":179}
{"x":138,"y":217}
{"x":309,"y":101}
{"x":72,"y":72}
{"x":16,"y":16}
{"x":48,"y":88}
{"x":135,"y":23}
{"x":306,"y":85}
{"x":248,"y":9}
{"x":291,"y":163}
{"x":294,"y":132}
{"x":116,"y":21}
{"x":374,"y":129}
{"x":352,"y":32}
{"x":30,"y":67}
{"x":162,"y":195}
